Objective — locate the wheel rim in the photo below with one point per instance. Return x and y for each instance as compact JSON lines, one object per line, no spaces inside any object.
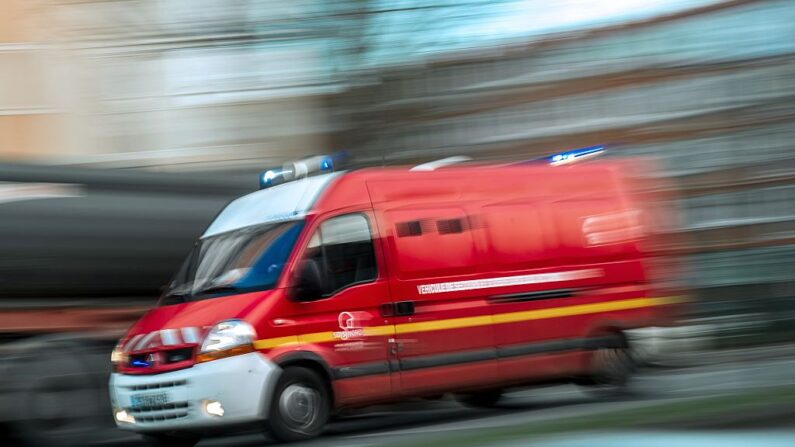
{"x":300,"y":405}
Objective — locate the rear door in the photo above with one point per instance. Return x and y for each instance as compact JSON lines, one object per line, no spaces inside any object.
{"x":564,"y":260}
{"x":443,"y":335}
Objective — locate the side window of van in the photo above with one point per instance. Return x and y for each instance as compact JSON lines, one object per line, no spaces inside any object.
{"x":343,"y":249}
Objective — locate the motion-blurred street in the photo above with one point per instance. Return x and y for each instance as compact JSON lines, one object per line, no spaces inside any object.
{"x":690,"y":400}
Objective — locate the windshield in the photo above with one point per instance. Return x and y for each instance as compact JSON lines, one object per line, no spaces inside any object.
{"x":242,"y":260}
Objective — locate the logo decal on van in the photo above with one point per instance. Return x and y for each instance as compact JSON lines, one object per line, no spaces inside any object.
{"x":612,"y":228}
{"x":505,"y":281}
{"x":349,"y":326}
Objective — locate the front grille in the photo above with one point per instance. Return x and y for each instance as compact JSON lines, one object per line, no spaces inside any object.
{"x":156,"y":386}
{"x":160,"y":418}
{"x":164,"y":407}
{"x":159,"y":413}
{"x":165,"y":357}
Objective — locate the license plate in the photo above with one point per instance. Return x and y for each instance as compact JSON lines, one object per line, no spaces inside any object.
{"x":149,"y":400}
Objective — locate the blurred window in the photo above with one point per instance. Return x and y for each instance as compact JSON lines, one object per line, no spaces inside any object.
{"x":343,"y":249}
{"x":243,"y":260}
{"x":282,"y":202}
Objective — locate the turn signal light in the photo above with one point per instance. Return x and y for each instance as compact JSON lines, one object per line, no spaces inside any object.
{"x":215,"y":355}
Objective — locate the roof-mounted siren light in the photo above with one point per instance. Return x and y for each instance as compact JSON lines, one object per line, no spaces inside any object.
{"x":273,"y":177}
{"x":436,"y":164}
{"x":575,"y":155}
{"x":302,"y":168}
{"x":317,"y":163}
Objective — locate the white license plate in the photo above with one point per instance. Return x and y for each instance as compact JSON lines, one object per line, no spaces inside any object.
{"x":149,"y":400}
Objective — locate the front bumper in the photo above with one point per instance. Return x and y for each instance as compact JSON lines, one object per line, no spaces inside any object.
{"x":243,"y":384}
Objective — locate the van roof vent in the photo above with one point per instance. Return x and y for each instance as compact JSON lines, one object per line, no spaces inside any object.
{"x":433,"y":165}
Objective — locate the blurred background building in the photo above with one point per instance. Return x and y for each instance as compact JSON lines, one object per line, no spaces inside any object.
{"x":704,"y":85}
{"x":97,"y":97}
{"x":175,"y":83}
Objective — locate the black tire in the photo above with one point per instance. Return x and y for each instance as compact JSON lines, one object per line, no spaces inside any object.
{"x":166,"y":440}
{"x":480,"y":399}
{"x":611,"y":367}
{"x":300,"y":406}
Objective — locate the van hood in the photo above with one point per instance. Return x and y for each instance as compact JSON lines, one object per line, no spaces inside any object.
{"x":182,"y":327}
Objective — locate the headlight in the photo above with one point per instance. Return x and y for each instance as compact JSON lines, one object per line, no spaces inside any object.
{"x":227,"y":338}
{"x":117,"y":356}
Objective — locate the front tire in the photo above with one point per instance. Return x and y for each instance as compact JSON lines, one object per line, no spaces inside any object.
{"x":300,"y":406}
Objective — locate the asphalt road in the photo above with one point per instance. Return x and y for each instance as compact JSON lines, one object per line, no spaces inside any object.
{"x":414,"y":421}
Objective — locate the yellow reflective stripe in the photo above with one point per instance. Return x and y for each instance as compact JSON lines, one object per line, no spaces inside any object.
{"x":317,"y":337}
{"x":374,"y":331}
{"x":437,"y":325}
{"x":270,"y":343}
{"x":581,"y":309}
{"x":480,"y":320}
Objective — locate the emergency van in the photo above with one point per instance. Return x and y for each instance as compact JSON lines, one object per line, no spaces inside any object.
{"x":347,"y":289}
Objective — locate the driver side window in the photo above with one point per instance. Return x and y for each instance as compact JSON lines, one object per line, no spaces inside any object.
{"x":342,"y":248}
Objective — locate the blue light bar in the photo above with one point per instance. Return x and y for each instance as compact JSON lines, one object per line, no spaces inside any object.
{"x":574,"y":155}
{"x":272,"y":177}
{"x":331,"y":162}
{"x":302,"y":168}
{"x":327,"y":164}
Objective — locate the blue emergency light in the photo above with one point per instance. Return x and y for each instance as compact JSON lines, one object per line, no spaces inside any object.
{"x":333,"y":161}
{"x":574,"y":155}
{"x":272,"y":177}
{"x":302,"y":168}
{"x":140,"y":363}
{"x":567,"y":157}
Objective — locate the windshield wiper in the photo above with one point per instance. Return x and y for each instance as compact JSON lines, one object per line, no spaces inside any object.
{"x":176,"y":295}
{"x":216,"y":288}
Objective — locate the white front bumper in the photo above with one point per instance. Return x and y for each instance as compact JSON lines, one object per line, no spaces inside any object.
{"x":243,"y":384}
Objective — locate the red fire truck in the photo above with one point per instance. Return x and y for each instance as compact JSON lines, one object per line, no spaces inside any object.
{"x":346,"y":289}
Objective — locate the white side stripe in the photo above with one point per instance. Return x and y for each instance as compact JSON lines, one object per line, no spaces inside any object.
{"x":190,"y":335}
{"x":145,"y":341}
{"x":505,"y":281}
{"x":129,"y":346}
{"x":169,"y":337}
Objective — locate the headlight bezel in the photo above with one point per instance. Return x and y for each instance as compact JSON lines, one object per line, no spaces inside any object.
{"x":226,"y":339}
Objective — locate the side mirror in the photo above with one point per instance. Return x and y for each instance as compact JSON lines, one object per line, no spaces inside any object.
{"x":308,"y":284}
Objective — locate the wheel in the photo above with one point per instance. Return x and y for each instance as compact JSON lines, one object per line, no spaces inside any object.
{"x":611,"y":369}
{"x":166,"y":440}
{"x":480,"y":399}
{"x":300,"y":406}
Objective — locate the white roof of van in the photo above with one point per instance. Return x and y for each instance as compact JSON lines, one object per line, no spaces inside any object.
{"x":289,"y":200}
